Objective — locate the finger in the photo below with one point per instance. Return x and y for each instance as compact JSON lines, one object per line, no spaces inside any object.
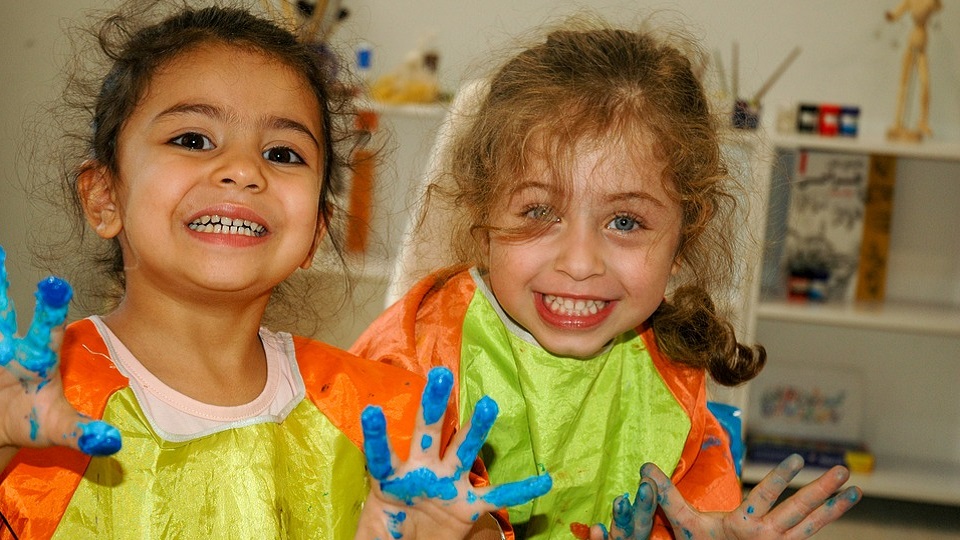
{"x":471,"y":439}
{"x":644,"y":508}
{"x":514,"y":493}
{"x":827,"y":513}
{"x":810,"y":498}
{"x":761,"y":498}
{"x":622,"y":528}
{"x":376,"y":446}
{"x":433,"y":405}
{"x":667,"y":496}
{"x":35,"y":354}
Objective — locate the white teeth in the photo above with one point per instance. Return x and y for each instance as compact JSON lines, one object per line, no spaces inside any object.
{"x":224,"y":225}
{"x":573,"y":307}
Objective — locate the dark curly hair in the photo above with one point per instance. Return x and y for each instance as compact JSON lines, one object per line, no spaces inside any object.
{"x":132,"y":43}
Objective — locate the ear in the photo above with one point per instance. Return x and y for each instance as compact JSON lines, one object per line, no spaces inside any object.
{"x":95,"y":189}
{"x":317,"y":238}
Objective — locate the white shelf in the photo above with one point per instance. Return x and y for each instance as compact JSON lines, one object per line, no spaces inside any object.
{"x":893,"y":478}
{"x":938,"y":150}
{"x":889,"y":315}
{"x":416,"y":110}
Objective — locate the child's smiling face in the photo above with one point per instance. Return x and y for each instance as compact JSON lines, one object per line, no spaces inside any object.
{"x":601,"y":265}
{"x":221,"y":133}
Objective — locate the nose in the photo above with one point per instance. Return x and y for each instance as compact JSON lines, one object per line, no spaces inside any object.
{"x":241,"y":169}
{"x":580,"y":253}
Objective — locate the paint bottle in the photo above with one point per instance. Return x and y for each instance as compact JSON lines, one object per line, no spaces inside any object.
{"x":829,"y":120}
{"x":849,"y":121}
{"x":360,"y":205}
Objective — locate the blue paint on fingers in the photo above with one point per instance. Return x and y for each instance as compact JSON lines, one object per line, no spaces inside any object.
{"x":99,"y":439}
{"x":520,"y":492}
{"x":436,"y":394}
{"x":375,"y":443}
{"x":484,"y":415}
{"x":623,"y":514}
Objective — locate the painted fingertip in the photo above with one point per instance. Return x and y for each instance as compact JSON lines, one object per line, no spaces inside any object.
{"x":623,"y":514}
{"x":375,"y":444}
{"x":603,"y":529}
{"x":645,"y":493}
{"x":99,"y":438}
{"x":519,"y":492}
{"x":485,"y":413}
{"x":54,"y":292}
{"x":436,"y":394}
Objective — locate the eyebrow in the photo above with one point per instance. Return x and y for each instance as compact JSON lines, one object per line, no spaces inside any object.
{"x":218,"y":113}
{"x":634,"y":195}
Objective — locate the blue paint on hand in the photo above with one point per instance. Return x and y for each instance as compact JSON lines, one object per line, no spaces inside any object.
{"x":426,"y":442}
{"x":99,"y":439}
{"x":623,"y":514}
{"x":53,"y":297}
{"x":395,"y":521}
{"x":484,"y":415}
{"x":34,"y":424}
{"x":436,"y":394}
{"x":421,"y":482}
{"x":519,"y":492}
{"x":375,"y":443}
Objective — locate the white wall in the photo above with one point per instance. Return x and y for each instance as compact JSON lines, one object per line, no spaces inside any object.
{"x":850,"y":55}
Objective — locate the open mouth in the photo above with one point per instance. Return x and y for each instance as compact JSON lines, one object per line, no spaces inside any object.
{"x":224,"y":225}
{"x":573,"y":307}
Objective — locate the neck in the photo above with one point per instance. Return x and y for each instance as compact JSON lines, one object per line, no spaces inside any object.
{"x":208,"y":351}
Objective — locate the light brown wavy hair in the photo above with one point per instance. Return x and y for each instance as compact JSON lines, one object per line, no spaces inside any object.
{"x":589,"y":83}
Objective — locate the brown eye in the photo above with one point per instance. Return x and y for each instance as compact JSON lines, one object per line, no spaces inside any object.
{"x":193,"y":141}
{"x":282,"y":154}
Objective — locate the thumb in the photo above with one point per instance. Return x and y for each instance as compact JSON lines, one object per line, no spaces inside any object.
{"x":63,"y":425}
{"x":668,"y":497}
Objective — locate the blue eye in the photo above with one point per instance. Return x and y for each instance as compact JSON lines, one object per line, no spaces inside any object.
{"x":282,"y":154}
{"x":623,"y":223}
{"x":193,"y":141}
{"x":540,"y":212}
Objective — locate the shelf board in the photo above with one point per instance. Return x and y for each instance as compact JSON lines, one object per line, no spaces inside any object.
{"x":890,"y":315}
{"x":415,"y":110}
{"x":938,"y":150}
{"x":893,"y":478}
{"x":359,"y":266}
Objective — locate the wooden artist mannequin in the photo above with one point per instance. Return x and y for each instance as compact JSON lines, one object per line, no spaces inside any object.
{"x":915,"y":56}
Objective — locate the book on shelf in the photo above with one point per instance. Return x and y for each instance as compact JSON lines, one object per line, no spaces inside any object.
{"x":815,"y":453}
{"x":838,"y":226}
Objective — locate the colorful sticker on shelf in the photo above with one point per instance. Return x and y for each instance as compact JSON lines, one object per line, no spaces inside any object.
{"x":818,"y":401}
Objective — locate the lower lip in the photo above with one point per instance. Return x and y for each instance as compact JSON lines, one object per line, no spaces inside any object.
{"x":571,"y":321}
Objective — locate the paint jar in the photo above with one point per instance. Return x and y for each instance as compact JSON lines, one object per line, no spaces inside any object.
{"x":829,"y":120}
{"x":849,"y":121}
{"x":746,"y":114}
{"x":808,"y":116}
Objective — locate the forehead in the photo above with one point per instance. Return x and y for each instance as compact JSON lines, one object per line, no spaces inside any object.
{"x":233,"y":76}
{"x":614,"y":162}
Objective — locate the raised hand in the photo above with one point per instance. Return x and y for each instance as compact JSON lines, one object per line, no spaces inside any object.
{"x":428,"y":496}
{"x":34,"y":410}
{"x":759,"y":517}
{"x":630,"y":521}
